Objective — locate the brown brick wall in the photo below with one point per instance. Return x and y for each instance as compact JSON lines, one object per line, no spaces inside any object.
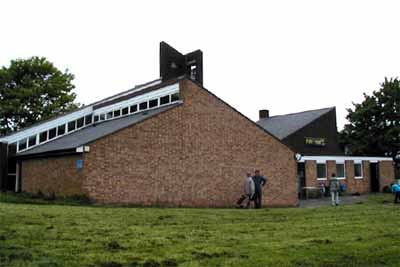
{"x":57,"y":175}
{"x":353,"y":185}
{"x":357,"y":185}
{"x":194,"y":155}
{"x":331,"y":168}
{"x":386,"y":174}
{"x":311,"y":173}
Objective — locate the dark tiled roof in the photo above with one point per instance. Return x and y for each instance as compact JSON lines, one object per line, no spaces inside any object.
{"x":94,"y":132}
{"x":284,"y":125}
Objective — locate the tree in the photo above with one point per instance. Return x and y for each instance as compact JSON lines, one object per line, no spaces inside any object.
{"x":32,"y":90}
{"x":374,"y":125}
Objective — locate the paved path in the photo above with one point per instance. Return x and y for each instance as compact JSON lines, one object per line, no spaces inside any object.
{"x":326,"y":201}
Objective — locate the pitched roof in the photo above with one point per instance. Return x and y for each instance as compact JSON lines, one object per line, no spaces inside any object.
{"x":137,"y":90}
{"x":284,"y":125}
{"x":94,"y":132}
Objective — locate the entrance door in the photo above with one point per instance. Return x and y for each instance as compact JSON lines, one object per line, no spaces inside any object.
{"x":301,"y":178}
{"x":374,"y":167}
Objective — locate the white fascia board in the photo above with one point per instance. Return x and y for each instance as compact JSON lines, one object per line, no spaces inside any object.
{"x":170,"y":89}
{"x":47,"y":125}
{"x":342,"y":159}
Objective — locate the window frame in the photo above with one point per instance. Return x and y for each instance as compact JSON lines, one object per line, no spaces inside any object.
{"x":58,"y":129}
{"x":175,"y":97}
{"x":133,"y":109}
{"x":344,"y":171}
{"x":326,"y":171}
{"x":110,"y":115}
{"x":81,"y":122}
{"x":144,"y":103}
{"x":117,"y":113}
{"x":25,"y":140}
{"x":34,"y":137}
{"x":152,"y":101}
{"x":361,"y":170}
{"x":70,"y":122}
{"x":55,"y":133}
{"x":46,"y":139}
{"x":163,"y":98}
{"x":88,"y":119}
{"x":125,"y":113}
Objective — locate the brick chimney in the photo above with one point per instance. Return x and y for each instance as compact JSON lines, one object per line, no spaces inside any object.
{"x":264,"y":114}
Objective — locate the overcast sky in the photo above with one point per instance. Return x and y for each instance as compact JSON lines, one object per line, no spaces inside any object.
{"x":285,"y":56}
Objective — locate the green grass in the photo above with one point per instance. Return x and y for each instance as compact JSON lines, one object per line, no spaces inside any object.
{"x":364,"y":234}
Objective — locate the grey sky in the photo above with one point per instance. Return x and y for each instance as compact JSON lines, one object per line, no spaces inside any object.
{"x":286,"y":56}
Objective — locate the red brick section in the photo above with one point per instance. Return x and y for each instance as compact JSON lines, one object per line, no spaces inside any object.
{"x":331,"y":168}
{"x":57,"y":175}
{"x":386,"y":174}
{"x":353,"y":185}
{"x":194,"y":155}
{"x":311,"y":173}
{"x":357,"y":185}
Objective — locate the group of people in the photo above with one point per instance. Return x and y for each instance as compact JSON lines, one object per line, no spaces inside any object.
{"x":252,"y":191}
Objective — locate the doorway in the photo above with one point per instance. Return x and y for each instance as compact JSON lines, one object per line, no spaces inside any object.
{"x":301,"y":178}
{"x":374,"y":168}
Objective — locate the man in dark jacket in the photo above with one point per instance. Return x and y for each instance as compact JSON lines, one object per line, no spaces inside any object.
{"x":259,"y":182}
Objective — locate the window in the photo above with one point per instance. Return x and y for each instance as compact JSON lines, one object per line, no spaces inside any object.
{"x":109,"y":115}
{"x":52,"y":133}
{"x":61,"y":129}
{"x":96,"y":118}
{"x":143,"y":106}
{"x":133,"y":109}
{"x":193,"y":72}
{"x":164,"y":100}
{"x":321,"y":171}
{"x":71,"y":126}
{"x":79,"y":123}
{"x":175,"y":97}
{"x":125,"y":111}
{"x":340,"y":171}
{"x":88,"y":119}
{"x":32,"y":141}
{"x":22,"y":144}
{"x":358,"y":170}
{"x":153,"y":103}
{"x":102,"y":117}
{"x":43,"y":137}
{"x":117,"y":113}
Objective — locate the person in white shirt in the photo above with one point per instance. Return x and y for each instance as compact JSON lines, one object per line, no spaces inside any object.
{"x":248,"y":192}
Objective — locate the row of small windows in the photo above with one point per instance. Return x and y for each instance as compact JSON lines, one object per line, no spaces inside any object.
{"x":54,"y":132}
{"x":340,"y":170}
{"x":89,"y":119}
{"x":153,"y":103}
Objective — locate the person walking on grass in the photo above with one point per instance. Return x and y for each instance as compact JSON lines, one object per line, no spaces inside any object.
{"x":248,"y":195}
{"x":396,"y":191}
{"x":334,"y":188}
{"x":259,"y":182}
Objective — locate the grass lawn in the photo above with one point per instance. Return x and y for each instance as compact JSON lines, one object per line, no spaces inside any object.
{"x":40,"y":234}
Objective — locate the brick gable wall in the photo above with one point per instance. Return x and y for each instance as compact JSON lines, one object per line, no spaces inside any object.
{"x":196,"y":154}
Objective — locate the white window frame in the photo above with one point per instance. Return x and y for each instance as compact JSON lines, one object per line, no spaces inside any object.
{"x":362,"y":171}
{"x":326,"y":171}
{"x":344,"y":170}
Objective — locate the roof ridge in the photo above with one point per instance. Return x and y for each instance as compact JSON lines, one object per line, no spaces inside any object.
{"x":305,"y":111}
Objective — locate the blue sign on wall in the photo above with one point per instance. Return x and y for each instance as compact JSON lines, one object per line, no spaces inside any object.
{"x":79,"y":164}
